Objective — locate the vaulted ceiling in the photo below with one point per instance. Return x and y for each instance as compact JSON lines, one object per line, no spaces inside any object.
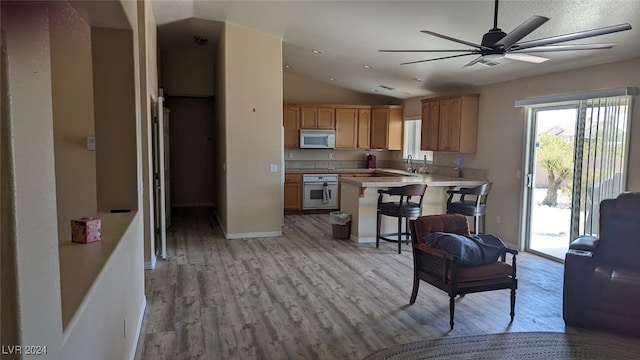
{"x":349,"y":34}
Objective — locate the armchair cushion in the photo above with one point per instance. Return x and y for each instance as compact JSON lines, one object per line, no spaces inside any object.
{"x":497,"y":270}
{"x":470,"y":250}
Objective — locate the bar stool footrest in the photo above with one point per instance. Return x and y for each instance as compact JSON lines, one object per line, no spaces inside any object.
{"x":393,"y":237}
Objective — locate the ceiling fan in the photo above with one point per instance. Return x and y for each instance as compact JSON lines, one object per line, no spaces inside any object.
{"x":497,"y":44}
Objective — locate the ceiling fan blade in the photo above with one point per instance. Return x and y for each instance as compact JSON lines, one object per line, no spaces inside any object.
{"x":421,"y":51}
{"x":568,"y":47}
{"x":521,"y":31}
{"x":440,"y":58}
{"x":478,"y":46}
{"x":572,"y":36}
{"x":525,"y":57}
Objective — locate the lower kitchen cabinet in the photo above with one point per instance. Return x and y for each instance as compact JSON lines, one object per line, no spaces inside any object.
{"x":293,"y":191}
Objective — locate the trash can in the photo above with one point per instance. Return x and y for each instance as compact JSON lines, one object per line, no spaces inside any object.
{"x":340,"y":224}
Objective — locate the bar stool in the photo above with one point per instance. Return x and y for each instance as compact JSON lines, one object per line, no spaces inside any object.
{"x":475,"y":207}
{"x":403,"y":208}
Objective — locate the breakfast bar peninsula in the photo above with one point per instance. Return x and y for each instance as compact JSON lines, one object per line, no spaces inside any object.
{"x":359,"y":197}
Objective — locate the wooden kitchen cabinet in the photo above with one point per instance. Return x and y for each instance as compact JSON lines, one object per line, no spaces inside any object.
{"x":386,"y":127}
{"x":364,"y":128}
{"x":450,"y":123}
{"x":317,"y":117}
{"x":291,"y":123}
{"x":346,"y":128}
{"x":293,"y":191}
{"x":430,"y":125}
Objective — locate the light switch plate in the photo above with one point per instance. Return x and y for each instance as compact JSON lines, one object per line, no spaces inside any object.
{"x":91,"y":143}
{"x":273,"y":168}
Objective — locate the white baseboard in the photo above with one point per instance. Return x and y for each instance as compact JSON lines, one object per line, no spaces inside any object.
{"x":132,"y":355}
{"x":254,"y":235}
{"x":363,"y":240}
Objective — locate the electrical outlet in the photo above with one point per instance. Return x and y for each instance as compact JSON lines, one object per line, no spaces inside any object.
{"x":330,"y":156}
{"x":498,"y":219}
{"x":273,"y":168}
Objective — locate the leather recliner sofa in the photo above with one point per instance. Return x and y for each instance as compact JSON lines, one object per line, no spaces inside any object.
{"x":602,"y":274}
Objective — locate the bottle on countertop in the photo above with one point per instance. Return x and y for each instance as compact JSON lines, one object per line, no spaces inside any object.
{"x":455,"y":172}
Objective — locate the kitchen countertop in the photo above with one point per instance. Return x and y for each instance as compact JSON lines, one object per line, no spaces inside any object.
{"x":406,"y":179}
{"x":331,"y":171}
{"x":391,"y":177}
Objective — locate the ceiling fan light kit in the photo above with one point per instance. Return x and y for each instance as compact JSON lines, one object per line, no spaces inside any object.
{"x":497,"y":45}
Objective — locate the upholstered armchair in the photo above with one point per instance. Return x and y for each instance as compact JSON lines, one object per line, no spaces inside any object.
{"x":443,"y":270}
{"x":602,"y":274}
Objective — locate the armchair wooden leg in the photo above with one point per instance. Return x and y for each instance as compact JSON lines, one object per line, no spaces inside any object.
{"x":513,"y":303}
{"x":452,"y":309}
{"x":416,"y":285}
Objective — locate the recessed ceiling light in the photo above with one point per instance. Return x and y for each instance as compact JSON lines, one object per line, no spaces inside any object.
{"x":374,"y":90}
{"x":418,"y":80}
{"x":287,"y":66}
{"x":367,"y":66}
{"x":332,"y":79}
{"x":317,"y":52}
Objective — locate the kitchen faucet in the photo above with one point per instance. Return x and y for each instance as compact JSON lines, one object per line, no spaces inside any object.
{"x":410,"y":162}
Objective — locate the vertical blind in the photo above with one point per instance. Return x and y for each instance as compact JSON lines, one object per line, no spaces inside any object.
{"x":600,"y":158}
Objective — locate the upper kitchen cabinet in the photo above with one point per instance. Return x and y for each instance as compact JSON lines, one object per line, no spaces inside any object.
{"x":291,"y":123}
{"x":364,"y":128}
{"x":450,"y":123}
{"x":346,"y":128}
{"x":386,"y":127}
{"x":317,"y":117}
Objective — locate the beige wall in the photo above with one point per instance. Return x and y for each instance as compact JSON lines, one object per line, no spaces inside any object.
{"x":8,"y":285}
{"x":37,"y":275}
{"x":220,"y":109}
{"x":188,"y":70}
{"x":147,"y":37}
{"x":97,"y":331}
{"x":302,"y":90}
{"x":72,"y":89}
{"x":115,"y":115}
{"x":502,"y":126}
{"x":253,"y":115}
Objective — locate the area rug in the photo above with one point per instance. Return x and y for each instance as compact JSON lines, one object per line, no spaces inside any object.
{"x":516,"y":345}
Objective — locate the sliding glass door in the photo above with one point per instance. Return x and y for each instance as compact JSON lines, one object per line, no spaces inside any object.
{"x":576,"y":157}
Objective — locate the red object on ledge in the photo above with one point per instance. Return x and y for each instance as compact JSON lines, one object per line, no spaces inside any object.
{"x":86,"y":230}
{"x":371,"y":161}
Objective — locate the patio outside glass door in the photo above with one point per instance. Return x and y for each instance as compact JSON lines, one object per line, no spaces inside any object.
{"x":576,"y":157}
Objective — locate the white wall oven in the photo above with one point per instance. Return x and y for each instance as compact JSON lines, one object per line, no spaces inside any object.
{"x":320,"y":191}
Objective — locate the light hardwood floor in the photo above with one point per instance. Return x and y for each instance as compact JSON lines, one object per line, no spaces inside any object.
{"x":307,"y":296}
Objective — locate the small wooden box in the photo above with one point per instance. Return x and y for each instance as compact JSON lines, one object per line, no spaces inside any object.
{"x":86,"y":230}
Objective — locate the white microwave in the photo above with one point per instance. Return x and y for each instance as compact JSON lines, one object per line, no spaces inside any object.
{"x":317,"y":139}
